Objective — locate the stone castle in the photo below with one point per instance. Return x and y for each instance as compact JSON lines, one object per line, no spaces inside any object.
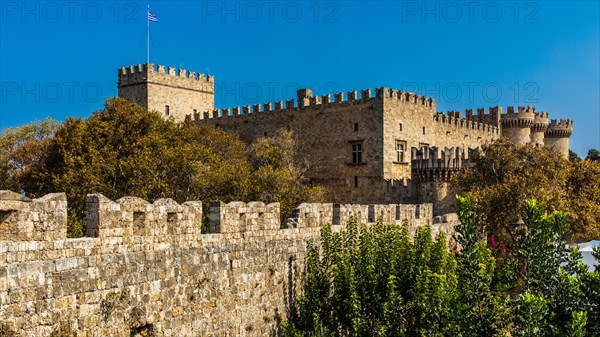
{"x":393,"y":147}
{"x":147,"y":270}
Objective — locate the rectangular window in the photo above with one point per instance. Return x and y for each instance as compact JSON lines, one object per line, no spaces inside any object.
{"x":400,"y":151}
{"x":400,"y":126}
{"x":357,"y":153}
{"x":423,"y":130}
{"x":424,"y":150}
{"x":167,"y":110}
{"x":355,"y":126}
{"x":355,"y":181}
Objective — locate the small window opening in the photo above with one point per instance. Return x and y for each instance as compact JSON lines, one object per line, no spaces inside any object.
{"x":357,"y":153}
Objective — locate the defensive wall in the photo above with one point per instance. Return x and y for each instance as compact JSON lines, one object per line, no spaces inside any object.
{"x":327,"y":127}
{"x":146,"y":269}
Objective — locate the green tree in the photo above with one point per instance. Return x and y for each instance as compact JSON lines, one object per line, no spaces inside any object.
{"x":481,"y":311}
{"x":593,"y":155}
{"x":375,"y":281}
{"x":573,"y":156}
{"x":278,"y":175}
{"x":126,"y":150}
{"x":20,"y":148}
{"x":505,"y":175}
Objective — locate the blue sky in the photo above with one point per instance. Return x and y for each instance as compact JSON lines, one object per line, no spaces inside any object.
{"x":60,"y":58}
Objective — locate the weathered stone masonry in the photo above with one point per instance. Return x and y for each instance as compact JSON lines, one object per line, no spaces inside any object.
{"x":366,"y":146}
{"x":147,"y":268}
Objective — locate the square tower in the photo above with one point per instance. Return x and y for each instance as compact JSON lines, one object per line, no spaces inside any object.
{"x":174,"y":94}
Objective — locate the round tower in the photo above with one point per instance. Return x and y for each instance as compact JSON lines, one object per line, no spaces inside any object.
{"x":540,"y":125}
{"x":557,"y":136}
{"x":517,"y":126}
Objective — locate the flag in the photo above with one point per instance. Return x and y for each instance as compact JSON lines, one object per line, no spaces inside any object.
{"x":152,"y":17}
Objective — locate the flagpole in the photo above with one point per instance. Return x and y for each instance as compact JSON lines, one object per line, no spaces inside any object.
{"x":148,"y":49}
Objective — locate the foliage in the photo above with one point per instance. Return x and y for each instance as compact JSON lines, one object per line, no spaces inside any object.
{"x":573,"y":156}
{"x":375,"y":281}
{"x":593,"y":155}
{"x":278,"y":175}
{"x":505,"y":175}
{"x":583,"y":199}
{"x":126,"y":150}
{"x":21,"y":147}
{"x":480,"y":310}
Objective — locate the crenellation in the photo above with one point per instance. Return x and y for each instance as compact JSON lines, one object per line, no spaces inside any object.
{"x":167,"y":276}
{"x":289,"y":104}
{"x":267,"y":107}
{"x":365,"y":94}
{"x":338,"y":97}
{"x":315,"y":101}
{"x":352,"y":96}
{"x":256,"y":108}
{"x":235,"y":111}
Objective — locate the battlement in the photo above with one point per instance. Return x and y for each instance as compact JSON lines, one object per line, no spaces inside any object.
{"x":454,"y":118}
{"x":311,"y":215}
{"x":406,"y":97}
{"x":523,"y":118}
{"x":491,"y":118}
{"x":131,"y":216}
{"x":437,"y":163}
{"x":24,"y":219}
{"x":147,"y":267}
{"x":140,"y":72}
{"x":306,"y":100}
{"x":238,"y":216}
{"x":540,"y":122}
{"x":45,"y":219}
{"x":559,"y":129}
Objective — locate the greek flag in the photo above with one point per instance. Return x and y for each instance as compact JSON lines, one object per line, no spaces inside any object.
{"x":152,"y":17}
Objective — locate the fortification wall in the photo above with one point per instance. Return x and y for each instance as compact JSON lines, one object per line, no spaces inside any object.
{"x":326,"y":130}
{"x":419,"y":126}
{"x":146,"y":268}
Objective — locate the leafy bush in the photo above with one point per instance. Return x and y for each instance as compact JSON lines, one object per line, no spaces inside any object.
{"x":377,"y":281}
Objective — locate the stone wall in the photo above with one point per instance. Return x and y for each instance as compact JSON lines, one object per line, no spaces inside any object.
{"x":145,"y":269}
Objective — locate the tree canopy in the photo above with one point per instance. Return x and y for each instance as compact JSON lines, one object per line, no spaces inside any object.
{"x":126,"y":150}
{"x":505,"y":175}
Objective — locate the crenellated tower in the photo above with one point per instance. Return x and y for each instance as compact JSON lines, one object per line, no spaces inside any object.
{"x":557,"y":135}
{"x":540,"y":125}
{"x":173,"y":93}
{"x":517,"y":126}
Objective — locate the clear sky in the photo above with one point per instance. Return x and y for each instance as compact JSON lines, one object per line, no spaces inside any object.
{"x":60,"y":58}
